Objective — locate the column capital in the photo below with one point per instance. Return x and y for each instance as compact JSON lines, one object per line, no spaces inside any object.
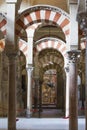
{"x":73,"y":55}
{"x":82,"y":20}
{"x":67,"y":69}
{"x":82,"y":15}
{"x":29,"y":67}
{"x":11,"y":53}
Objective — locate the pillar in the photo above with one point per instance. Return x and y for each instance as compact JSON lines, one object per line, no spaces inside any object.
{"x":40,"y":96}
{"x":82,"y":20}
{"x":73,"y":91}
{"x":11,"y":52}
{"x":36,"y":79}
{"x":67,"y":92}
{"x":12,"y":93}
{"x":29,"y":92}
{"x":29,"y":68}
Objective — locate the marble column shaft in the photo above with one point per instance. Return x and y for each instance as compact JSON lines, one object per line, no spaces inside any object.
{"x":67,"y":92}
{"x":29,"y":92}
{"x":36,"y":92}
{"x":73,"y":91}
{"x":82,"y":20}
{"x":12,"y":94}
{"x":11,"y":52}
{"x":86,"y":82}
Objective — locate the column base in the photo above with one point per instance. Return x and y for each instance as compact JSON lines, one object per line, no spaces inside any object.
{"x":28,"y":113}
{"x":66,"y":117}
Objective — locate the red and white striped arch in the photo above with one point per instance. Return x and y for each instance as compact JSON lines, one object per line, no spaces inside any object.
{"x":50,"y":59}
{"x":3,"y":23}
{"x":38,"y":14}
{"x":47,"y":14}
{"x":54,"y":43}
{"x":23,"y":46}
{"x":3,"y":30}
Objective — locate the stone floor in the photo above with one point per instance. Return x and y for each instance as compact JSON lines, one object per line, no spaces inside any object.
{"x":48,"y":119}
{"x":49,"y":113}
{"x":42,"y":124}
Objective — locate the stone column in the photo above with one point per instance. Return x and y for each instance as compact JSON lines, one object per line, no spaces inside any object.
{"x":67,"y":92}
{"x":11,"y":52}
{"x":82,"y":20}
{"x":29,"y":70}
{"x":12,"y":92}
{"x":29,"y":92}
{"x":36,"y":79}
{"x":73,"y":95}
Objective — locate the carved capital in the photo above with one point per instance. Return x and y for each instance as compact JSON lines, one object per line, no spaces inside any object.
{"x":73,"y":55}
{"x":82,"y":20}
{"x":10,"y":52}
{"x":67,"y":68}
{"x":29,"y":68}
{"x":82,"y":13}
